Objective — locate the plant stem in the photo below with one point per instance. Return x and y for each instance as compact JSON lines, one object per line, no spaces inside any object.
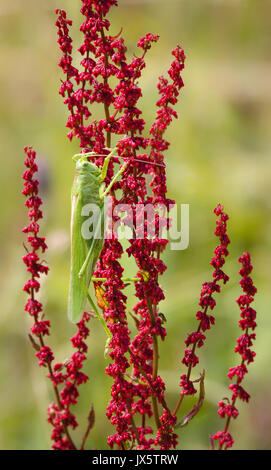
{"x":54,"y":386}
{"x":189,"y":369}
{"x":154,"y":365}
{"x":238,"y":381}
{"x":187,"y":376}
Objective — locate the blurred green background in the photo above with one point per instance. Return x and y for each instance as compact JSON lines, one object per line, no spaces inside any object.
{"x":220,"y":152}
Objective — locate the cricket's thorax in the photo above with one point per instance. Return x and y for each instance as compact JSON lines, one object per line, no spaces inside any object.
{"x":87,"y":183}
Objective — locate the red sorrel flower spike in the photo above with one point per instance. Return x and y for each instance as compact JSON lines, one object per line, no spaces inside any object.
{"x":103,"y":58}
{"x":59,"y":413}
{"x":197,"y":338}
{"x":243,"y":348}
{"x":31,"y":259}
{"x":144,"y":346}
{"x":145,"y":42}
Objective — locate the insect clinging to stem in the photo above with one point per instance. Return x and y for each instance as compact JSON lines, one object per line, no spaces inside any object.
{"x":88,"y":188}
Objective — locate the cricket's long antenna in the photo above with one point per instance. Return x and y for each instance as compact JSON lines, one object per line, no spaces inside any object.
{"x":149,"y":163}
{"x":93,"y":154}
{"x":90,"y":154}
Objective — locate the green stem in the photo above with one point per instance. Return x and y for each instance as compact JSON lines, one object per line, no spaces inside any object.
{"x":154,"y":365}
{"x":50,"y":370}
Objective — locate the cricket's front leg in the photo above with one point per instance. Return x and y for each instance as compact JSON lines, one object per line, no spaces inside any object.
{"x":121,"y":170}
{"x":106,"y":163}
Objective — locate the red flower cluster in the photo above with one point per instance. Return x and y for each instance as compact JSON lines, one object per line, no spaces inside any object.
{"x":33,"y":202}
{"x":166,"y":438}
{"x":207,"y":301}
{"x":104,"y":61}
{"x":59,"y":413}
{"x":244,"y":342}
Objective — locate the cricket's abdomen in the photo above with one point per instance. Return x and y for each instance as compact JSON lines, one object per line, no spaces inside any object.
{"x":76,"y":300}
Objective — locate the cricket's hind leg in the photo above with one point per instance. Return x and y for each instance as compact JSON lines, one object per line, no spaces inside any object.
{"x":124,"y":279}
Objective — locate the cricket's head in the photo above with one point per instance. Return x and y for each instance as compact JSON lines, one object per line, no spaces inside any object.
{"x":82,"y":157}
{"x":84,"y":167}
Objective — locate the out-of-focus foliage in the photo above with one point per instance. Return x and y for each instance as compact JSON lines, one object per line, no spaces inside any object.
{"x":220,"y":152}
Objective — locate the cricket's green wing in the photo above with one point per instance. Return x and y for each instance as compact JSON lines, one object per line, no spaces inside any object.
{"x":79,"y":251}
{"x":77,"y":296}
{"x":85,"y":191}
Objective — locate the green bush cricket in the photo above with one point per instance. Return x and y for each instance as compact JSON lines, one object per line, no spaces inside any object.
{"x":88,"y":188}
